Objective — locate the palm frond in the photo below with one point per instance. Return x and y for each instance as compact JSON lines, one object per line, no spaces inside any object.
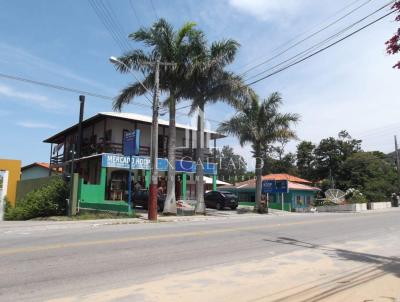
{"x":130,"y":92}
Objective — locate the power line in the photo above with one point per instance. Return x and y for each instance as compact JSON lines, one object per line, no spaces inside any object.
{"x":114,"y":28}
{"x":119,"y":28}
{"x":74,"y":90}
{"x":154,"y":9}
{"x":63,"y":88}
{"x":321,"y":50}
{"x":135,"y":13}
{"x":315,"y":46}
{"x":104,"y":20}
{"x":309,"y":36}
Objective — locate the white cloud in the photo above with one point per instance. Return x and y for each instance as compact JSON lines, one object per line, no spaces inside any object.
{"x":267,"y":9}
{"x":35,"y":125}
{"x":33,"y":98}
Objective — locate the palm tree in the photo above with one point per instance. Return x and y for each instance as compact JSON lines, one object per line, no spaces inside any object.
{"x":178,"y":47}
{"x":209,"y":82}
{"x":261,"y":125}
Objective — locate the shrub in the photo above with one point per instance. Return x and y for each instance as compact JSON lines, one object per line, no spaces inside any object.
{"x":355,"y":196}
{"x":48,"y":200}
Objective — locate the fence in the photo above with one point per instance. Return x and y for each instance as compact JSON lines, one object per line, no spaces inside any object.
{"x":29,"y":185}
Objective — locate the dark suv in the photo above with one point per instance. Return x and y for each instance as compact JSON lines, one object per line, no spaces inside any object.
{"x":141,"y":198}
{"x":220,"y":199}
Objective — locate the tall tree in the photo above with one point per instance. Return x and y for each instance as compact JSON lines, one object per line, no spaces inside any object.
{"x":286,"y":164}
{"x":332,"y":152}
{"x":180,"y":47}
{"x":260,"y":124}
{"x":208,"y":83}
{"x":393,"y":44}
{"x":371,"y":173}
{"x":306,"y":160}
{"x":231,"y":167}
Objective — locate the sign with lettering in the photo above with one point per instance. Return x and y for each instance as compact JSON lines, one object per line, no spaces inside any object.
{"x":131,"y":143}
{"x":275,"y":186}
{"x":143,"y":163}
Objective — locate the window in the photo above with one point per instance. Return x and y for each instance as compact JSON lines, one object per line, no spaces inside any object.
{"x":299,"y":200}
{"x":108,"y":135}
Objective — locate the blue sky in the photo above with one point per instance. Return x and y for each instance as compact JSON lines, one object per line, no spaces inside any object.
{"x":351,"y":86}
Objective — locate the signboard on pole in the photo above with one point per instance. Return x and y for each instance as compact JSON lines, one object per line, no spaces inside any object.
{"x":131,"y":144}
{"x":274,"y":186}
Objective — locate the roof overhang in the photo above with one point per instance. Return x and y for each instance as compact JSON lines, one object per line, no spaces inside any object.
{"x":58,"y":138}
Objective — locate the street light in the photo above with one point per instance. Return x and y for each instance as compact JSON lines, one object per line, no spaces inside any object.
{"x":152,"y":206}
{"x":115,"y":60}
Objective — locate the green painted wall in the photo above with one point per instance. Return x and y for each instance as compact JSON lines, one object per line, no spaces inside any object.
{"x":247,"y":197}
{"x":112,"y":206}
{"x":93,"y":193}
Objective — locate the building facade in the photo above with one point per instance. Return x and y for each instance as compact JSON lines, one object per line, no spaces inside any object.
{"x":35,"y":170}
{"x":104,"y":170}
{"x":301,"y":193}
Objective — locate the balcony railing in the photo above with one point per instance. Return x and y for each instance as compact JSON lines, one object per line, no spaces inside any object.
{"x":116,"y":148}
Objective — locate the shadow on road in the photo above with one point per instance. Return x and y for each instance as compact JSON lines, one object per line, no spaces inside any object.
{"x":381,"y":265}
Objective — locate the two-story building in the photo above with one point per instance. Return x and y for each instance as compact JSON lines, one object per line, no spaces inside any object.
{"x":104,"y":170}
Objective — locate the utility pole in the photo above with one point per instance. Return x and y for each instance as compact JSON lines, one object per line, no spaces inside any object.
{"x":397,"y":163}
{"x":152,"y":205}
{"x":80,"y":133}
{"x":71,"y":176}
{"x":152,"y":214}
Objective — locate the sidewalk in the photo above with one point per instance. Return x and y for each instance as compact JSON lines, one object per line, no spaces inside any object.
{"x":212,"y":215}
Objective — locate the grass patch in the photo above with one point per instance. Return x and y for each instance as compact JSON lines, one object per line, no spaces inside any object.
{"x":89,"y":215}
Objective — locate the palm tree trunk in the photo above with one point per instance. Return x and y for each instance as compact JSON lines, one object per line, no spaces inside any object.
{"x":170,"y":200}
{"x":258,"y":207}
{"x":200,"y":205}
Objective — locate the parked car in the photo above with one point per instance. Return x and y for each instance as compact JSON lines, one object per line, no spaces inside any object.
{"x":141,"y":198}
{"x":220,"y":200}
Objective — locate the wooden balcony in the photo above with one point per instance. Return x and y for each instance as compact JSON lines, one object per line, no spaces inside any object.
{"x":116,"y":148}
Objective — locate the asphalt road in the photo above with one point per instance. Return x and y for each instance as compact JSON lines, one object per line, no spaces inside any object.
{"x":44,"y":261}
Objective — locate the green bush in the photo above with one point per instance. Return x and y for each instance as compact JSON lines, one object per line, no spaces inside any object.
{"x":355,"y":196}
{"x":48,"y":200}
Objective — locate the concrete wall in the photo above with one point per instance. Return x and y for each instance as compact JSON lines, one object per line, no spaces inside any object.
{"x":34,"y":172}
{"x":14,"y":173}
{"x":353,"y":207}
{"x":89,"y":193}
{"x":380,"y":205}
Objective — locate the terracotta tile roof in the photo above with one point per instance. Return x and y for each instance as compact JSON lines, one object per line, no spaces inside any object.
{"x":298,"y":186}
{"x":249,"y":184}
{"x":295,"y":183}
{"x":284,"y":176}
{"x":39,"y":164}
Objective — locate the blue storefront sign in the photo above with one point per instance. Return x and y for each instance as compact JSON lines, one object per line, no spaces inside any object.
{"x":275,"y":186}
{"x":143,"y":163}
{"x":131,"y":144}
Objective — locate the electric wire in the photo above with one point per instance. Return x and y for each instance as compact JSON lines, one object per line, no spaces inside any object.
{"x":135,"y":13}
{"x":307,"y":37}
{"x":321,"y":50}
{"x":315,"y":46}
